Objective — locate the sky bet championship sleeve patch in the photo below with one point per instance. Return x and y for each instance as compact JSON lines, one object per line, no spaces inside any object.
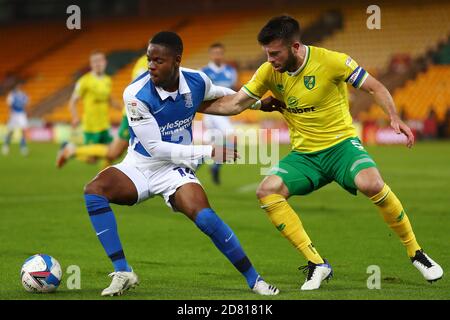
{"x":133,"y":111}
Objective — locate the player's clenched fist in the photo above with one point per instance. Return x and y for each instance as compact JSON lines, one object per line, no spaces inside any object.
{"x":222,"y":154}
{"x":271,"y":104}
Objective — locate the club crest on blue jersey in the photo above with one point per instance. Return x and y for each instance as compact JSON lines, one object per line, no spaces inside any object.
{"x":187,"y":97}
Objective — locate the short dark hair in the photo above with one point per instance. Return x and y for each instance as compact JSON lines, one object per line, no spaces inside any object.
{"x":169,"y":40}
{"x":216,"y":45}
{"x":284,"y":27}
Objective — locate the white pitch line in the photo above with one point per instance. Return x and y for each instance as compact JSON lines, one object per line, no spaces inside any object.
{"x":248,"y":187}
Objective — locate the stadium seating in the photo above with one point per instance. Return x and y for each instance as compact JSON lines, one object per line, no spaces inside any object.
{"x":58,"y":69}
{"x":197,"y":33}
{"x":419,"y":27}
{"x":430,"y":89}
{"x":240,"y":36}
{"x":40,"y":39}
{"x":404,"y":29}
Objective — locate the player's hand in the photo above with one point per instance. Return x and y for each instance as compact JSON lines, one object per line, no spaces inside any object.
{"x":75,"y":122}
{"x":222,"y":154}
{"x":400,"y":127}
{"x":271,"y":104}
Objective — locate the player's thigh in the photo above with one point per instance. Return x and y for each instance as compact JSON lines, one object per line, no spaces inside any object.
{"x":114,"y":185}
{"x":189,"y":199}
{"x":300,"y":173}
{"x":179,"y":187}
{"x":346,"y":161}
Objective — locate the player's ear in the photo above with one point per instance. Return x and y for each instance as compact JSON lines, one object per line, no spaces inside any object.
{"x":178,"y":60}
{"x":296,"y":46}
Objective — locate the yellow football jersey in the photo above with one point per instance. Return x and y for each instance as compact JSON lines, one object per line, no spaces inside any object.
{"x":140,"y":67}
{"x":95,"y":93}
{"x":315,"y":95}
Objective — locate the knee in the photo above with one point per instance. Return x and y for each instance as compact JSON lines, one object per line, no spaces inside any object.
{"x":269,"y":187}
{"x":371,"y":187}
{"x":263,"y":191}
{"x":95,"y":187}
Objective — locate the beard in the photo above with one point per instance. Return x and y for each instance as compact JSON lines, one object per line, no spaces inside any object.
{"x":291,"y":62}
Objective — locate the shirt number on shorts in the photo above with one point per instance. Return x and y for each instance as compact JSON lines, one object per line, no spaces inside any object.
{"x":185,"y":172}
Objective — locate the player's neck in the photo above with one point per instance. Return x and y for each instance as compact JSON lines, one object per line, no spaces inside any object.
{"x":98,"y":74}
{"x":173,"y":85}
{"x":301,"y":56}
{"x":300,"y":59}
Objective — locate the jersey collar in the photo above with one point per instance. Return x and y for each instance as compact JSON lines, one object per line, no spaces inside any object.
{"x":305,"y":61}
{"x":183,"y":88}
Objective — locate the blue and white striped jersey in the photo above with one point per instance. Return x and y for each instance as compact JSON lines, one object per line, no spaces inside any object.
{"x":17,"y":101}
{"x":224,"y":75}
{"x":161,"y":122}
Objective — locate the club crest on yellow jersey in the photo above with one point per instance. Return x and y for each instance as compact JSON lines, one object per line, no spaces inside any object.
{"x":309,"y":81}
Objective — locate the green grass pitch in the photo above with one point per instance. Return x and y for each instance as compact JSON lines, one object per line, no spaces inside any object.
{"x":42,"y":211}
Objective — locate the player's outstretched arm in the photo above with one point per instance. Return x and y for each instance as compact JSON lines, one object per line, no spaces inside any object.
{"x":238,"y":102}
{"x":383,"y":98}
{"x":228,"y":105}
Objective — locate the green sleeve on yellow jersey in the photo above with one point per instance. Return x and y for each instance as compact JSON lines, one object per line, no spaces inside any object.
{"x":259,"y":83}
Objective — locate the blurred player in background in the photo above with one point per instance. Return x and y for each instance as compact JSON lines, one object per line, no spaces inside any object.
{"x":219,"y":127}
{"x":17,"y":101}
{"x":161,"y":160}
{"x":140,"y":67}
{"x":312,"y":83}
{"x":94,"y":89}
{"x":110,"y":152}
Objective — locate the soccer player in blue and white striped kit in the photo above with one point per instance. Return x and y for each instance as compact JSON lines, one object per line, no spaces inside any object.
{"x":221,"y":74}
{"x":161,"y":105}
{"x":17,"y":101}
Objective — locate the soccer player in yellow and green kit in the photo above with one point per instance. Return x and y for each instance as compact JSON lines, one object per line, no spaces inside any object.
{"x":94,"y":89}
{"x":312,"y":82}
{"x":97,"y":150}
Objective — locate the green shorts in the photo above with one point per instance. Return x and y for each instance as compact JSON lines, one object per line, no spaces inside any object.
{"x":303,"y":173}
{"x":124,"y":133}
{"x":102,"y":137}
